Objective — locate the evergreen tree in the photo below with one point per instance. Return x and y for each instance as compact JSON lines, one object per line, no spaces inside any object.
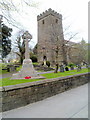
{"x":5,"y":41}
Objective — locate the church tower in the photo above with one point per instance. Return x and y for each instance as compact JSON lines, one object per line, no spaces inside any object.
{"x":50,"y":37}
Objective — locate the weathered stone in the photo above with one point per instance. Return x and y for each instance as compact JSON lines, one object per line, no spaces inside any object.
{"x":61,"y":68}
{"x":49,"y":29}
{"x":17,"y":97}
{"x":27,"y":67}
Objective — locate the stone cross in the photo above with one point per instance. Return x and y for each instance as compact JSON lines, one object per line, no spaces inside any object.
{"x":27,"y":36}
{"x":27,"y":69}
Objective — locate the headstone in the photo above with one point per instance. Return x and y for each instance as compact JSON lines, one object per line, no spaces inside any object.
{"x":61,"y":68}
{"x":87,"y":66}
{"x":11,"y":68}
{"x":27,"y":69}
{"x":79,"y":67}
{"x":66,"y":68}
{"x":72,"y":68}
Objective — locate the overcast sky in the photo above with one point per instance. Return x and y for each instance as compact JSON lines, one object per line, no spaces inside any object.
{"x":74,"y":12}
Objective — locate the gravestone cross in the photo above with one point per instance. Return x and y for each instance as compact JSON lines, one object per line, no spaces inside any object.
{"x":27,"y":37}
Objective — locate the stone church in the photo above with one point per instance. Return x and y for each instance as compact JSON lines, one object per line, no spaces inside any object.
{"x":50,"y":37}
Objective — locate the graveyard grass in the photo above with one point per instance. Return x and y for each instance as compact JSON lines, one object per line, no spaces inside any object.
{"x":8,"y":81}
{"x":2,"y":65}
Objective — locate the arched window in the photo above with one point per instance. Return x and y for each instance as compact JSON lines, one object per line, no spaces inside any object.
{"x":44,"y":57}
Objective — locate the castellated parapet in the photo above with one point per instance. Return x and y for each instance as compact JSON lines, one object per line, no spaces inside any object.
{"x":49,"y":12}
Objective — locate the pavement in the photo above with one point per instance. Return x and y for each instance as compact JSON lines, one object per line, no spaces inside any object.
{"x":70,"y":104}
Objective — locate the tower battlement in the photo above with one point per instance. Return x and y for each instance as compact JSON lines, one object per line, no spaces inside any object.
{"x":49,"y":12}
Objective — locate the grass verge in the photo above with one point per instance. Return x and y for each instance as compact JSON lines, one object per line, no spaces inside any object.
{"x":63,"y":74}
{"x":8,"y":81}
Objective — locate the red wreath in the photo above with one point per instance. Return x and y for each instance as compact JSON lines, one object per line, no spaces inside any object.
{"x":27,"y":77}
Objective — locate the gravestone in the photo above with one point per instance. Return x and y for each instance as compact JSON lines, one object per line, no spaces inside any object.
{"x":72,"y":68}
{"x":27,"y":69}
{"x":66,"y":68}
{"x":11,"y":68}
{"x":61,"y":68}
{"x":87,"y":66}
{"x":79,"y":67}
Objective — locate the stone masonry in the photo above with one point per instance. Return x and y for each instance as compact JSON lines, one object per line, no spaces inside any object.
{"x":50,"y":35}
{"x":16,"y":96}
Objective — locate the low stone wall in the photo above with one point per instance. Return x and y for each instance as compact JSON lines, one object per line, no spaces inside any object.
{"x":22,"y":94}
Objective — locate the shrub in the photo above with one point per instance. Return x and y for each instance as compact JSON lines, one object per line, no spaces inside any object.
{"x":42,"y":63}
{"x":71,"y":65}
{"x":48,"y":63}
{"x":33,"y":58}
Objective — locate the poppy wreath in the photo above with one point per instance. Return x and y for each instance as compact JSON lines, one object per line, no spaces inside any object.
{"x":27,"y":77}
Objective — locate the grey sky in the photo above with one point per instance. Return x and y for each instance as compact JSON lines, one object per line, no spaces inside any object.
{"x":75,"y":13}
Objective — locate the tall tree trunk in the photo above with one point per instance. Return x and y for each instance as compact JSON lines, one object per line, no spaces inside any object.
{"x":57,"y":64}
{"x":64,"y":53}
{"x":22,"y":58}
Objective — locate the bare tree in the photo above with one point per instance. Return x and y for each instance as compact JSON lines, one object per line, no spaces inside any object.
{"x":10,"y":9}
{"x":79,"y":52}
{"x":20,"y":46}
{"x":67,"y":45}
{"x":61,"y":46}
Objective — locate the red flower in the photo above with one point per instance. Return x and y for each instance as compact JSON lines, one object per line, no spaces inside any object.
{"x":27,"y":77}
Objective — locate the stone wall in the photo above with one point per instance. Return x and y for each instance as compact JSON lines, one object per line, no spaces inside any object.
{"x":20,"y":95}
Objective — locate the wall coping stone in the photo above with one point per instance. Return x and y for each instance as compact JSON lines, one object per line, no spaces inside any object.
{"x":30,"y":84}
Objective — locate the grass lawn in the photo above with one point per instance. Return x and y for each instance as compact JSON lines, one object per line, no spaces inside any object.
{"x":1,"y":66}
{"x":63,"y":74}
{"x":8,"y":81}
